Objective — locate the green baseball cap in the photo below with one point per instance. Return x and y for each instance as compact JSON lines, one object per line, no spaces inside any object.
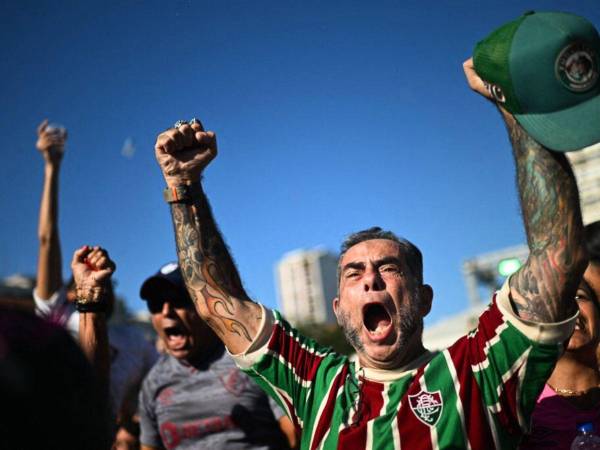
{"x":544,"y":69}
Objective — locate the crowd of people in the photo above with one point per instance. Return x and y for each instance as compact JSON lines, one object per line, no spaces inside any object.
{"x":233,"y":374}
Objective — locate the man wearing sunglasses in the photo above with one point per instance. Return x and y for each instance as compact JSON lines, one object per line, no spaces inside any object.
{"x":195,"y":396}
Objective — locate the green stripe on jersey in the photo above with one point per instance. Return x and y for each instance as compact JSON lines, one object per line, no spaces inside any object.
{"x":450,"y":426}
{"x":342,"y":409}
{"x":540,"y":364}
{"x":317,"y":398}
{"x":504,"y":351}
{"x":383,"y":426}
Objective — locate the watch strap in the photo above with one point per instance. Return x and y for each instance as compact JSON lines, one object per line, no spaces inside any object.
{"x":87,"y":306}
{"x":183,"y":193}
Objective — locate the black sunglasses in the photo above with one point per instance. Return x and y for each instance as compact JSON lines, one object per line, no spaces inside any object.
{"x":155,"y":305}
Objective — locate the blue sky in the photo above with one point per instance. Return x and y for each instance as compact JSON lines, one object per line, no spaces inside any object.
{"x":330,"y":117}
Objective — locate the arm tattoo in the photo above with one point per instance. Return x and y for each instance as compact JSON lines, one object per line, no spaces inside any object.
{"x":550,"y":206}
{"x":208,"y":269}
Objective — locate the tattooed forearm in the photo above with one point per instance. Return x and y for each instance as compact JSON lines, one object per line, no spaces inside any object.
{"x":208,"y":269}
{"x":547,"y":284}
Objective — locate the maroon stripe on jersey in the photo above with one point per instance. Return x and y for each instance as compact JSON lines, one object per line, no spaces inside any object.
{"x":324,"y":420}
{"x":489,"y":321}
{"x":508,"y":399}
{"x":414,"y":434}
{"x":305,"y":363}
{"x":369,"y":407}
{"x":294,"y":417}
{"x":354,"y":437}
{"x":477,"y":428}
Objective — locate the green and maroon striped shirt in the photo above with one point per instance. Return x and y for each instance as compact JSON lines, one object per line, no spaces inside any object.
{"x":477,"y":394}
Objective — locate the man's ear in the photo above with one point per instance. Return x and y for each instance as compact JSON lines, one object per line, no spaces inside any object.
{"x":336,"y":305}
{"x":426,"y":298}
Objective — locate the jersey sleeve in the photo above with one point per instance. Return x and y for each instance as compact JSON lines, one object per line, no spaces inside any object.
{"x":292,"y":369}
{"x":149,"y":432}
{"x":510,"y":359}
{"x":58,"y":310}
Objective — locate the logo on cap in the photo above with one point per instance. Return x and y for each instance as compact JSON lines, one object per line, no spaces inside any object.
{"x":168,"y":268}
{"x":577,"y":67}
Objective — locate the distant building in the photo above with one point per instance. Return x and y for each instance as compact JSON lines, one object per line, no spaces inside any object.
{"x":586,"y":166}
{"x":448,"y":330}
{"x":307,"y":284}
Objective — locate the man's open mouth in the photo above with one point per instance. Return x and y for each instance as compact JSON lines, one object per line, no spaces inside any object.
{"x":377,"y":320}
{"x":176,"y":336}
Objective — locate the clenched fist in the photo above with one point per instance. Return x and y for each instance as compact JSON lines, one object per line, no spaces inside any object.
{"x":92,"y":269}
{"x":184,"y":152}
{"x":51,"y":142}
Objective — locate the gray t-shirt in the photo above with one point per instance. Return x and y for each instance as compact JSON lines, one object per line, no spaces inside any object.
{"x":210,"y":406}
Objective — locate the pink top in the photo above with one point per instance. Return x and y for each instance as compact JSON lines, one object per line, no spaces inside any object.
{"x":554,"y":422}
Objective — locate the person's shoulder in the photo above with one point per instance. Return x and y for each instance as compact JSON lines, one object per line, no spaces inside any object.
{"x":161,"y":369}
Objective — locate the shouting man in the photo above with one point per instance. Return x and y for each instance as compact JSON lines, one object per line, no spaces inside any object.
{"x":480,"y":392}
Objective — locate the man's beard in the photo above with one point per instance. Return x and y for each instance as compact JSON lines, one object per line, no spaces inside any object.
{"x":410,"y":323}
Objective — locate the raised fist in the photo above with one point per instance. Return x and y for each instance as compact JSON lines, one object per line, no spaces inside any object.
{"x":483,"y":88}
{"x":184,"y":151}
{"x":92,"y":269}
{"x":51,"y":142}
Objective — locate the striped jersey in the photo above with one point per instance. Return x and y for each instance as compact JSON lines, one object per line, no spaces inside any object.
{"x":477,"y":394}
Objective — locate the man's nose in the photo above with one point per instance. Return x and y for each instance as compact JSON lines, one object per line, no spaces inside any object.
{"x":372,"y":280}
{"x":166,"y":308}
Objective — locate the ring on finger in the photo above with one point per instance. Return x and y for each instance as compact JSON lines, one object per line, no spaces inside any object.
{"x":180,"y":123}
{"x":194,"y":120}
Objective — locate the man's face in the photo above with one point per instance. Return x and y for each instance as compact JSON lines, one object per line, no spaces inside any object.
{"x":381,"y":305}
{"x":183,"y":333}
{"x":587,"y":329}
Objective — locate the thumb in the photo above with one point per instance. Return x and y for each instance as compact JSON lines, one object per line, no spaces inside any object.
{"x":42,"y":126}
{"x":103,"y":274}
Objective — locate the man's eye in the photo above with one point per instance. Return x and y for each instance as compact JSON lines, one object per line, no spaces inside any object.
{"x":389,"y":269}
{"x":581,"y":297}
{"x":352,"y":274}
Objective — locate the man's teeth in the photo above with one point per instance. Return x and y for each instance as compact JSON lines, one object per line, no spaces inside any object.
{"x":379,"y":330}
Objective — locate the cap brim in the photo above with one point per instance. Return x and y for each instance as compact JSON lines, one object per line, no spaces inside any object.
{"x":566,"y":130}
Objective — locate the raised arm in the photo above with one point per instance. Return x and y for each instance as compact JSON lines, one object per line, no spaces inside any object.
{"x":92,"y":269}
{"x":544,"y":288}
{"x":51,"y":144}
{"x":208,"y":269}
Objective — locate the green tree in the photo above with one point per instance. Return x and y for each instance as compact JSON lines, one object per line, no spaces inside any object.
{"x":327,"y":334}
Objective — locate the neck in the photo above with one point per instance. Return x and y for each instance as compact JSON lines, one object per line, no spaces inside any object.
{"x":207,"y":354}
{"x":409,"y":352}
{"x":575,"y":372}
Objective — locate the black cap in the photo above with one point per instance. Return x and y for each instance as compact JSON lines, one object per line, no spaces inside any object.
{"x":168,"y":276}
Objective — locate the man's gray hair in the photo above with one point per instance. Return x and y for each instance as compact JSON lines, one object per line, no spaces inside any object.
{"x":414,"y":258}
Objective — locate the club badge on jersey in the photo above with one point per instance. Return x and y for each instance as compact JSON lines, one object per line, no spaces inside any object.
{"x":427,"y":406}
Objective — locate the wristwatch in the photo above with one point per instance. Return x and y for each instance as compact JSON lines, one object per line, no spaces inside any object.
{"x":183,"y":193}
{"x":90,"y":300}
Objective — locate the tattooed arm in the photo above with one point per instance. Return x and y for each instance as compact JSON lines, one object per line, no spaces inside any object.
{"x":544,"y":288}
{"x":207,"y":267}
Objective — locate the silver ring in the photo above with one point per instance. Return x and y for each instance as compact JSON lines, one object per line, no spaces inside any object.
{"x":180,"y":123}
{"x":194,"y":120}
